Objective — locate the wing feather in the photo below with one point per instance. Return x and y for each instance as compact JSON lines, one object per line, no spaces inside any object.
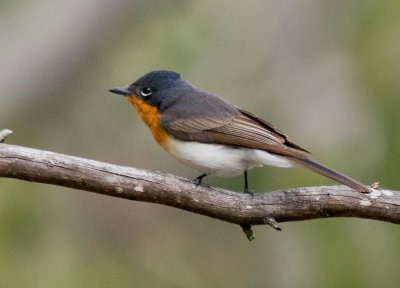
{"x":243,"y":129}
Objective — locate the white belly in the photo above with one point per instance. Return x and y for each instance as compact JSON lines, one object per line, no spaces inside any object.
{"x":222,"y":160}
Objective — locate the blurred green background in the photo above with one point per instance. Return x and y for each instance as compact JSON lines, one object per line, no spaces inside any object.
{"x":326,"y":72}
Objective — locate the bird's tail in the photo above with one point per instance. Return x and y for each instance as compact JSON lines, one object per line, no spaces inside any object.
{"x":339,"y":177}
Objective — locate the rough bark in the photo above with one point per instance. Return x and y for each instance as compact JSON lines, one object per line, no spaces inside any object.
{"x":166,"y":189}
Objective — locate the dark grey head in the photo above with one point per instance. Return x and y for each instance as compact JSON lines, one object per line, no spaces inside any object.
{"x":153,"y":87}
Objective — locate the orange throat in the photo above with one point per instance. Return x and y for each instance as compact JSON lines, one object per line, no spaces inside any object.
{"x":149,"y":115}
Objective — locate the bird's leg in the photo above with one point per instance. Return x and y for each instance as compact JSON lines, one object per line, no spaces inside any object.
{"x":197,"y":181}
{"x":246,"y":184}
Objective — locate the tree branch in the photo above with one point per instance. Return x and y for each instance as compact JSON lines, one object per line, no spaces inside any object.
{"x":156,"y":187}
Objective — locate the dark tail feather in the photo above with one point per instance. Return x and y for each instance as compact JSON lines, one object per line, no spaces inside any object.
{"x":339,"y":177}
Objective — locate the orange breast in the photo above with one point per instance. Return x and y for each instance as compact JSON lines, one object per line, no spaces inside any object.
{"x":149,"y":115}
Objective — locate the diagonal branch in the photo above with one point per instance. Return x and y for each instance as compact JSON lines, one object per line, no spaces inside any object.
{"x":156,"y":187}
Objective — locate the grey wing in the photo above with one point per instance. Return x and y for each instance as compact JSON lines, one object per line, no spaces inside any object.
{"x":272,"y":128}
{"x":238,"y":128}
{"x":245,"y":131}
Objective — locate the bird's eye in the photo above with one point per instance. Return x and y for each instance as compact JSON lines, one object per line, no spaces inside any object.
{"x":146,"y":91}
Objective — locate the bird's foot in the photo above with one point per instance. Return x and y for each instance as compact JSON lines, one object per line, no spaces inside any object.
{"x":197,"y":181}
{"x":248,"y":191}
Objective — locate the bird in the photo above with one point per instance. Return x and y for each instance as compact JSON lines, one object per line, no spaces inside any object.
{"x":206,"y":132}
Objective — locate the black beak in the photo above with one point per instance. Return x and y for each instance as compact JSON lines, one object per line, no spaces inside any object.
{"x":121,"y":91}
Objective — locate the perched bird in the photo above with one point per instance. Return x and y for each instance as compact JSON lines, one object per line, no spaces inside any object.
{"x":213,"y":136}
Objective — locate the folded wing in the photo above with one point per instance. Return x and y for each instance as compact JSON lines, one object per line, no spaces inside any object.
{"x":244,"y":129}
{"x":241,"y":129}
